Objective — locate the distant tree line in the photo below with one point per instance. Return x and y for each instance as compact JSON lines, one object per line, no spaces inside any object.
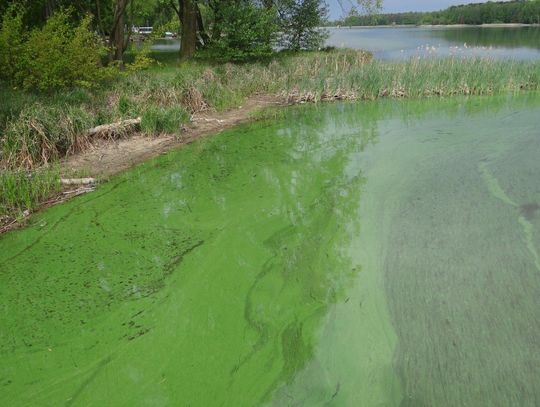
{"x":516,"y":11}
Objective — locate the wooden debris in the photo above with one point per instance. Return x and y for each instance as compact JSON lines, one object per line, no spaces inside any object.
{"x":115,"y":129}
{"x":78,"y":181}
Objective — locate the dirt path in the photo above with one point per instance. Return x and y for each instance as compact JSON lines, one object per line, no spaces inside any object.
{"x":111,"y":157}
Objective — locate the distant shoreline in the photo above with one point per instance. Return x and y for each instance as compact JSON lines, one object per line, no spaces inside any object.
{"x":494,"y":25}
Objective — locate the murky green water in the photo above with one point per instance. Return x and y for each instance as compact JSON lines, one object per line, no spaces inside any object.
{"x":345,"y":255}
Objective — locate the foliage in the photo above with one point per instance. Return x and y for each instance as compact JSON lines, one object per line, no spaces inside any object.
{"x":370,"y":7}
{"x":142,"y":61}
{"x":156,"y":13}
{"x":11,"y":44}
{"x":300,"y":22}
{"x":58,"y":55}
{"x":244,"y":32}
{"x":171,"y":26}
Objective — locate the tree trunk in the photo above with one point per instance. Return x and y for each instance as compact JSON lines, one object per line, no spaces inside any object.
{"x":203,"y":35}
{"x":116,"y":38}
{"x":49,"y":8}
{"x":188,"y":13}
{"x":114,"y":130}
{"x":188,"y":42}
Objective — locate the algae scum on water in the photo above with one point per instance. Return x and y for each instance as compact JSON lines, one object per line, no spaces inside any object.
{"x":347,"y":255}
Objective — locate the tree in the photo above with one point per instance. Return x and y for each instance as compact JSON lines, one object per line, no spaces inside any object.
{"x":370,"y":6}
{"x":61,"y":53}
{"x":300,"y":24}
{"x":242,"y":30}
{"x":12,"y":37}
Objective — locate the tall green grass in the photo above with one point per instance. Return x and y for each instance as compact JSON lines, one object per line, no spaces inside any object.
{"x":331,"y":75}
{"x":22,"y":190}
{"x":164,"y":120}
{"x":413,"y":78}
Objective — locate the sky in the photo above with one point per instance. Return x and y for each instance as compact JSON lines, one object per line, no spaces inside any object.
{"x":395,"y":6}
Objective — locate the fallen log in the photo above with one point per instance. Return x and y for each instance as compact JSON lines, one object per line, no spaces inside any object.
{"x":115,"y":129}
{"x":77,"y":181}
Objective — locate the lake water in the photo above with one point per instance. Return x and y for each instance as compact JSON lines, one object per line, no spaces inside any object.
{"x":364,"y":254}
{"x":520,"y":43}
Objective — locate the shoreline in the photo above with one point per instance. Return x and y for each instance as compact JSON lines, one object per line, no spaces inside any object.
{"x":107,"y":158}
{"x":101,"y":159}
{"x":493,"y":25}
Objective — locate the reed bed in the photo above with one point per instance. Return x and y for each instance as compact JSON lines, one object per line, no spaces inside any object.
{"x":414,"y":78}
{"x":344,"y":75}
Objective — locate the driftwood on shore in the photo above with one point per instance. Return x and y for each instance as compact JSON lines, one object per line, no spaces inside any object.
{"x":115,"y":129}
{"x":78,"y":181}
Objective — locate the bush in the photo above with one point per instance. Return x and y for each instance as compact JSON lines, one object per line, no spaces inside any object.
{"x":59,"y":55}
{"x":142,"y":60}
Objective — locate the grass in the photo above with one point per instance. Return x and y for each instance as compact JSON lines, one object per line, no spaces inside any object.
{"x":40,"y":134}
{"x":22,"y":191}
{"x":36,"y":129}
{"x":164,"y":120}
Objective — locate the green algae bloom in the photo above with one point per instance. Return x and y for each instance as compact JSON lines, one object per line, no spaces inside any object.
{"x":368,"y":254}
